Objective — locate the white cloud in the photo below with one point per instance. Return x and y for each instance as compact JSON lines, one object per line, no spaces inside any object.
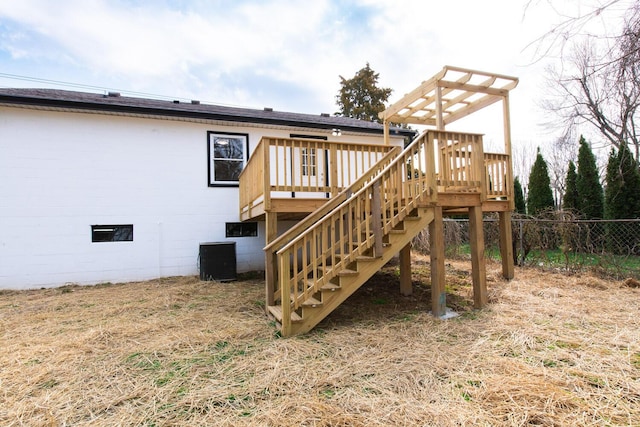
{"x":281,"y":53}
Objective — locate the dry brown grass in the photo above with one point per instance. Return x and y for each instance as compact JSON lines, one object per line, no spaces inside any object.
{"x":549,"y":350}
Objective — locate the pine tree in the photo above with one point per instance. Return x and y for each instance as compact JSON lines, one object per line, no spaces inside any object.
{"x":540,"y":194}
{"x":590,"y":203}
{"x":518,"y":197}
{"x":623,"y":184}
{"x":360,"y":97}
{"x":570,"y":198}
{"x":622,"y":201}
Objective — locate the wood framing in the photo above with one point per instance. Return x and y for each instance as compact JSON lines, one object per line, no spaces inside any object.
{"x":378,"y":198}
{"x":406,"y":287}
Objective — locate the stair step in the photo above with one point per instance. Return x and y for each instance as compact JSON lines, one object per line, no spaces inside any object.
{"x":366,"y":258}
{"x":412,"y":218}
{"x":330,"y":287}
{"x":394,"y":231}
{"x":347,"y":272}
{"x":276,"y":311}
{"x":312,"y":302}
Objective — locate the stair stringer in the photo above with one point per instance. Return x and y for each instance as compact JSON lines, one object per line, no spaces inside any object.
{"x":396,"y":240}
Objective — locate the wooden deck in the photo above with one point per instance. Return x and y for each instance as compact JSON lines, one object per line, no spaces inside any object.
{"x":358,"y":205}
{"x":276,"y":179}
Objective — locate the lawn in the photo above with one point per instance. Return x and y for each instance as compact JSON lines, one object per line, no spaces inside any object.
{"x":549,"y":349}
{"x":608,"y":265}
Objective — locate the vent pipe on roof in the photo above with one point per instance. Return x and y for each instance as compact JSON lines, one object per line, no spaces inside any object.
{"x":113,"y":94}
{"x":268,"y":109}
{"x":195,"y":102}
{"x":325,"y":115}
{"x":175,"y":101}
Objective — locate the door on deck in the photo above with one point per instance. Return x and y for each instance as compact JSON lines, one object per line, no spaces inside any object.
{"x":308,"y":172}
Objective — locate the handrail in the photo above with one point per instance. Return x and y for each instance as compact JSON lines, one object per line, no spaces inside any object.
{"x":331,"y":203}
{"x":352,"y":225}
{"x":270,"y":267}
{"x":368,"y":182}
{"x":347,"y":231}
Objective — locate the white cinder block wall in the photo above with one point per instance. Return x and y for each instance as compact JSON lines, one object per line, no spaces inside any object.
{"x":62,"y":172}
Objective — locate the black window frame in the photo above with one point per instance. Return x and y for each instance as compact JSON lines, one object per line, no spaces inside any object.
{"x":211,"y":181}
{"x":104,"y":233}
{"x":244,"y":229}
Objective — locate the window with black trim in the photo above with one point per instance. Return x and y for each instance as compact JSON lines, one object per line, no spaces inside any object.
{"x":112,"y":233}
{"x":241,"y":229}
{"x":228,"y":153}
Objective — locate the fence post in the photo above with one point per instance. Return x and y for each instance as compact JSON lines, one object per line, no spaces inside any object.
{"x":506,"y":245}
{"x":521,"y":233}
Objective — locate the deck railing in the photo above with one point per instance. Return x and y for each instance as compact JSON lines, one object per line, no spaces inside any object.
{"x":354,"y":227}
{"x":498,"y":182}
{"x":460,"y":161}
{"x":313,"y":218}
{"x":290,"y":167}
{"x":308,"y":256}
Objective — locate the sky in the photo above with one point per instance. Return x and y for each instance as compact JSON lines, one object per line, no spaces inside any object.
{"x":284,"y":54}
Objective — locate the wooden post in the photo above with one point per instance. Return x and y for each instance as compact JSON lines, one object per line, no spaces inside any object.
{"x":507,"y":150}
{"x":405,"y":271}
{"x":270,"y":266}
{"x":333,"y":170}
{"x":387,"y":138}
{"x":430,"y":161}
{"x":439,"y":115}
{"x":436,"y":243}
{"x":480,"y":167}
{"x":478,"y":272}
{"x":506,"y":245}
{"x":285,"y":267}
{"x":266,"y":170}
{"x":376,"y":219}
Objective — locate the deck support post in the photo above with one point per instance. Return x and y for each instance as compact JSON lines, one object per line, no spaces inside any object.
{"x":436,"y":244}
{"x":478,"y":269}
{"x":406,"y":288}
{"x":506,"y":245}
{"x":270,"y":267}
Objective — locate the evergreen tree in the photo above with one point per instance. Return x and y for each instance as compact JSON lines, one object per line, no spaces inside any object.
{"x":518,"y":197}
{"x":622,"y":201}
{"x":360,"y":97}
{"x":623,"y":184}
{"x":590,"y":203}
{"x":570,"y":198}
{"x":613,"y":184}
{"x":540,"y":194}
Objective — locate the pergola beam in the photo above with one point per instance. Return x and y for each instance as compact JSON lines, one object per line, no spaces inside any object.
{"x":428,"y":104}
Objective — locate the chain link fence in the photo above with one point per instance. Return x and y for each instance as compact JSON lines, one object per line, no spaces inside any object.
{"x":555,"y":241}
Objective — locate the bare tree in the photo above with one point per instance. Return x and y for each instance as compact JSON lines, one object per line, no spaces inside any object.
{"x":523,"y":153}
{"x":563,"y":150}
{"x":598,"y":82}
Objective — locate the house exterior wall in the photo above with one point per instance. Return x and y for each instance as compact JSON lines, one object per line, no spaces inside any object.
{"x":61,"y":172}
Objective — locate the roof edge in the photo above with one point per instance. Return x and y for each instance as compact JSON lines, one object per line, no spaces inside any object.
{"x":137,"y":110}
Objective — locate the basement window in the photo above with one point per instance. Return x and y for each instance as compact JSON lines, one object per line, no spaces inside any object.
{"x":241,"y":229}
{"x":112,"y":233}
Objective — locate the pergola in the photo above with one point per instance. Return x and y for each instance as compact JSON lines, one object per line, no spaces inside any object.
{"x":450,"y":95}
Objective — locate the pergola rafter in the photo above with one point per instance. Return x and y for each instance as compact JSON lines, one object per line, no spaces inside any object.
{"x":450,"y":95}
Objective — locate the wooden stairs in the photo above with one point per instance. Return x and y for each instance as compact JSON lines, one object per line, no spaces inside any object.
{"x":349,"y":277}
{"x":319,"y":263}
